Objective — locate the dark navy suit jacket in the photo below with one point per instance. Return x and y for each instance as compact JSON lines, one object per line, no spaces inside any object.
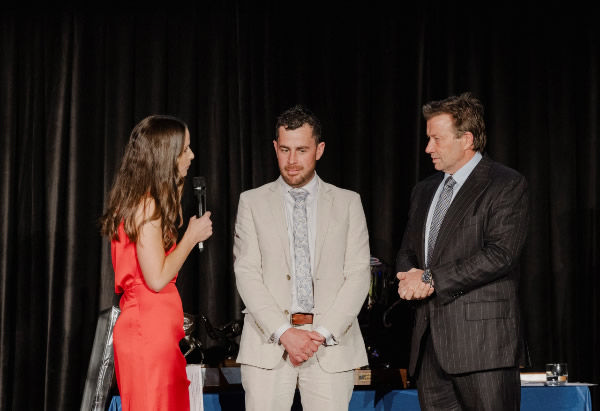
{"x":473,"y":315}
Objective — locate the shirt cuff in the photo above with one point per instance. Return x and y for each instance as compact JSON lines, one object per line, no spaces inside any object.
{"x":277,"y":334}
{"x":329,"y":339}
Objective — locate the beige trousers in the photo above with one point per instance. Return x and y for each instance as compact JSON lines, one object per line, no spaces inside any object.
{"x":273,"y":390}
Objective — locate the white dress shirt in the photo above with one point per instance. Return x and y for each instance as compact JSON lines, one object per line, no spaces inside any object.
{"x":311,"y":213}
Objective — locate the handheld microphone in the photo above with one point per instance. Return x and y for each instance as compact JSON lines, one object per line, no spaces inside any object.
{"x":199,"y":184}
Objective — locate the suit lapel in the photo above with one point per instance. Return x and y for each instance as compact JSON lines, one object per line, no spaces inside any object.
{"x":325,"y":202}
{"x":276,"y":203}
{"x":475,"y":184}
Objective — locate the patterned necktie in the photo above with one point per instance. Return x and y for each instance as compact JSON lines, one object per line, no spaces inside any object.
{"x":438,"y":216}
{"x":304,"y":286}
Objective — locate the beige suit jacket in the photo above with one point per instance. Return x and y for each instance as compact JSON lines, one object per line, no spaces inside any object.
{"x":341,"y":279}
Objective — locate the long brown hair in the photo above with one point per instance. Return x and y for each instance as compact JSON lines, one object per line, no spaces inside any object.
{"x":148,"y":170}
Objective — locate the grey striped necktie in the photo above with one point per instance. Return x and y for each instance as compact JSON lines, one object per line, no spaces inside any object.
{"x":438,"y":216}
{"x":304,"y":285}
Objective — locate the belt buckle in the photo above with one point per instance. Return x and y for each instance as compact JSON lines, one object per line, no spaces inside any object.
{"x":301,"y":319}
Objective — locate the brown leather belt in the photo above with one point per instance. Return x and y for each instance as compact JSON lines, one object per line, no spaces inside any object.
{"x":301,"y":319}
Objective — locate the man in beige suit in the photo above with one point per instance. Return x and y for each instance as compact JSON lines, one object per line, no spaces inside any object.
{"x":301,"y":261}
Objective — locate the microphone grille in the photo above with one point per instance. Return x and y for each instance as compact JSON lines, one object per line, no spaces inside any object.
{"x":199,"y":182}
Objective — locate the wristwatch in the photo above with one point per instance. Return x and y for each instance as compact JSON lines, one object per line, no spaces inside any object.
{"x":426,"y":277}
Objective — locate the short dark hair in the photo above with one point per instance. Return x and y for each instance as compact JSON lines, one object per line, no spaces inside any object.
{"x":467,"y":112}
{"x":296,"y":117}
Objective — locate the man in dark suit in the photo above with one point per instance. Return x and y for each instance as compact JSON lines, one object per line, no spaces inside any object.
{"x":459,"y":262}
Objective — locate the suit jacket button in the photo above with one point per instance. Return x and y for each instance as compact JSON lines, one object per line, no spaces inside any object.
{"x":286,"y":312}
{"x":288,"y":277}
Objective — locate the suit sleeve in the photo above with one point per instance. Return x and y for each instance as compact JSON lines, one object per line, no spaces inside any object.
{"x":249,"y":275}
{"x":496,"y":238}
{"x":356,"y":271}
{"x":407,"y":255}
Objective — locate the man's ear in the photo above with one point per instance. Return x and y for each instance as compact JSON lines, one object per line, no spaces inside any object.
{"x":320,"y":149}
{"x":468,"y":141}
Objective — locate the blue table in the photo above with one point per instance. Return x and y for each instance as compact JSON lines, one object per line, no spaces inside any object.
{"x":533,"y":398}
{"x":404,"y":400}
{"x":567,"y":397}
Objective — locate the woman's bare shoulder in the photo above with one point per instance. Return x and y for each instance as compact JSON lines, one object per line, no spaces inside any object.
{"x":145,"y":212}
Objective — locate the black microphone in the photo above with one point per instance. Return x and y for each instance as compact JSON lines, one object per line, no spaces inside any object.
{"x":199,"y":184}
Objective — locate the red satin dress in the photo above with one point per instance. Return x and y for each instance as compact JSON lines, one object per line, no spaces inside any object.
{"x":149,"y":364}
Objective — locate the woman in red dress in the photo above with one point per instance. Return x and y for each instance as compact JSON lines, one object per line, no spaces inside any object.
{"x":141,"y":219}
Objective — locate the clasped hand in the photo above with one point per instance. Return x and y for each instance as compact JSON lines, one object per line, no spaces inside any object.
{"x":300,"y":344}
{"x":411,"y":286}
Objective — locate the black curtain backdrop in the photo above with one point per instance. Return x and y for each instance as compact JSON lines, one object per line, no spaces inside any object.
{"x":74,"y":82}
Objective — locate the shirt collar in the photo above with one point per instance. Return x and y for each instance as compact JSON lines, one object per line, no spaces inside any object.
{"x":461,"y":175}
